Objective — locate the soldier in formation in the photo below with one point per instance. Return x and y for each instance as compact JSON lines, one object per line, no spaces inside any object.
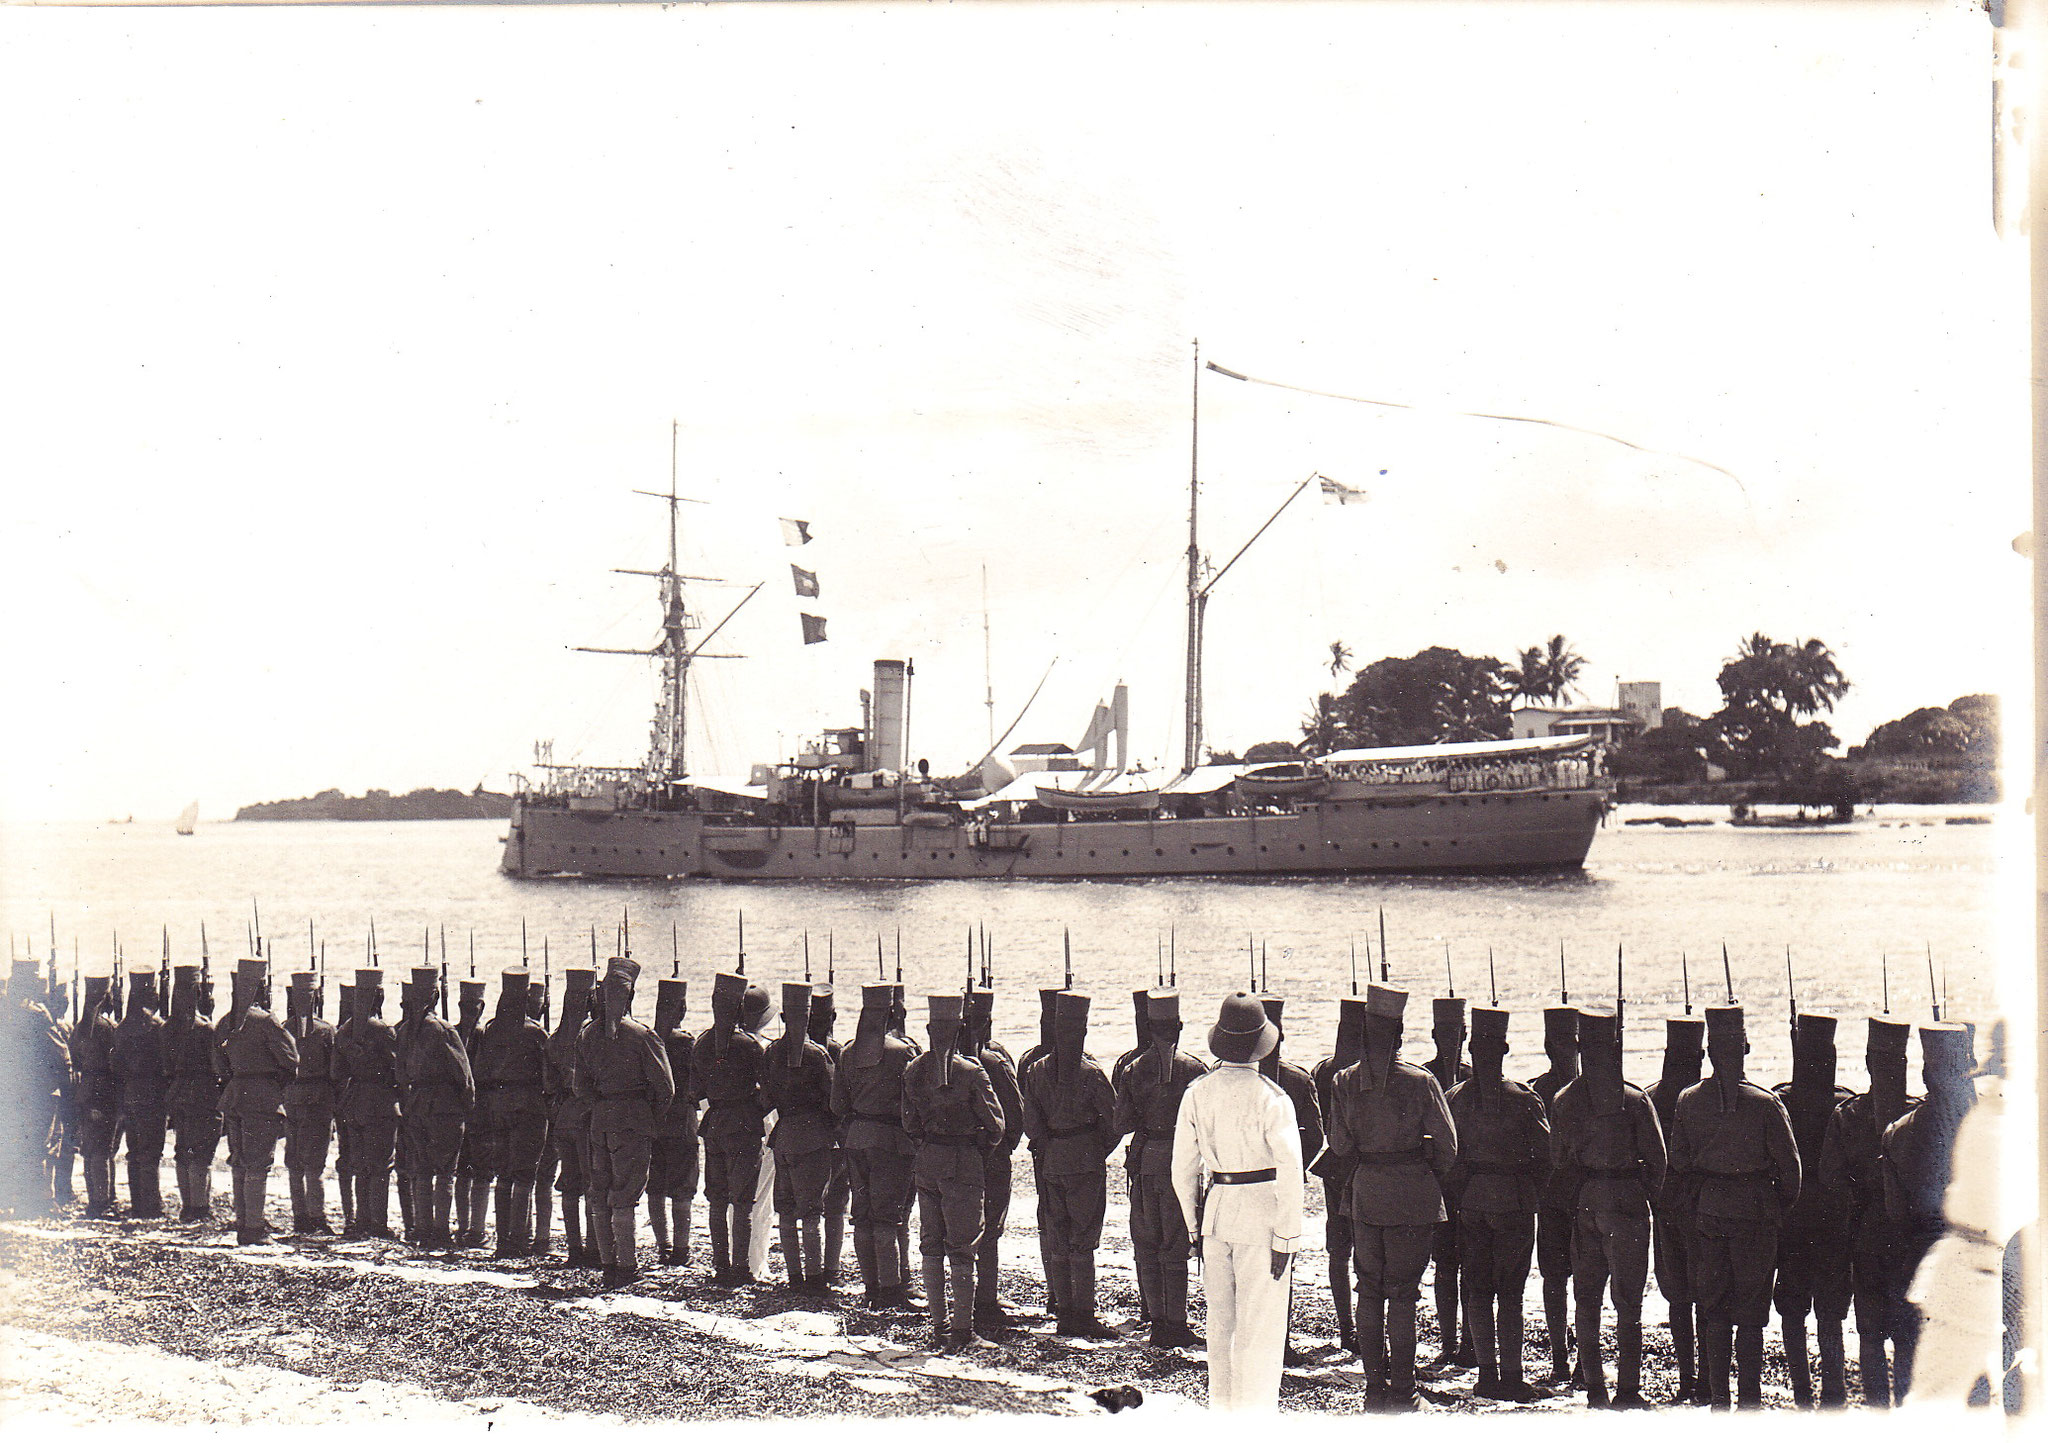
{"x":622,"y":1072}
{"x":1070,"y":1121}
{"x":308,"y":1105}
{"x":141,"y":1084}
{"x":473,"y":1176}
{"x":951,"y":1116}
{"x":34,"y":1068}
{"x":511,"y":1073}
{"x":1813,"y":1251}
{"x":796,"y":1084}
{"x":726,"y":1067}
{"x":1685,"y":1051}
{"x":193,"y":1081}
{"x":1919,"y":1151}
{"x":1390,"y":1125}
{"x":1852,"y":1169}
{"x":262,"y":1060}
{"x":672,"y":1169}
{"x":1335,"y":1171}
{"x":1308,"y":1121}
{"x":1447,"y":1066}
{"x":569,"y":1119}
{"x":991,"y":1317}
{"x":365,"y":1074}
{"x":1149,"y":1090}
{"x":1503,"y":1161}
{"x":438,"y":1090}
{"x":98,"y":1091}
{"x":1554,"y":1223}
{"x":867,"y":1098}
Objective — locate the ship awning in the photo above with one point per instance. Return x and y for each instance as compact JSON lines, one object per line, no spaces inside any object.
{"x":1458,"y":751}
{"x":727,"y":786}
{"x":1201,"y":781}
{"x":1024,"y":789}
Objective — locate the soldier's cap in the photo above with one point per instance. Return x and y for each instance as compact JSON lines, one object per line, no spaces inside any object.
{"x":1888,"y":1038}
{"x":1350,"y":1008}
{"x":1599,"y":1029}
{"x":1046,"y":999}
{"x":944,"y":1009}
{"x":1138,"y":997}
{"x":347,"y":993}
{"x":1162,"y":1007}
{"x":135,"y":969}
{"x":1385,"y":1002}
{"x":796,"y":995}
{"x":1489,"y":1029}
{"x":473,"y":989}
{"x":24,"y":969}
{"x":728,"y":988}
{"x":876,"y":996}
{"x":302,"y":984}
{"x":1447,"y":1014}
{"x":184,"y":971}
{"x":1685,"y":1034}
{"x":421,"y":993}
{"x":1243,"y":1032}
{"x":1726,"y":1023}
{"x":251,"y":970}
{"x":369,"y":978}
{"x":427,"y":976}
{"x":821,"y":996}
{"x":576,"y":984}
{"x":514,"y":982}
{"x":622,"y":969}
{"x":1072,"y":1008}
{"x":981,"y":1004}
{"x":1560,"y":1024}
{"x":1945,"y":1047}
{"x":677,"y":988}
{"x":1814,"y":1029}
{"x":1274,"y":1006}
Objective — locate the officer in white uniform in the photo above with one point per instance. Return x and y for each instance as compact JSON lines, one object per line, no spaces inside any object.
{"x":1237,"y":1172}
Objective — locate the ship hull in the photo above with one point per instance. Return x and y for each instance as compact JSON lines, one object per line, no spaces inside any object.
{"x":1536,"y":831}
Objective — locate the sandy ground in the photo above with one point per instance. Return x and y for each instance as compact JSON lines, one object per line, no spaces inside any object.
{"x":166,"y":1322}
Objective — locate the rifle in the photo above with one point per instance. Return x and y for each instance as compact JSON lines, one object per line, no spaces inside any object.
{"x":881,"y":968}
{"x":118,"y":987}
{"x":1791,"y":996}
{"x":1564,"y":996}
{"x":1492,"y":986}
{"x":1620,"y":992}
{"x":1384,"y":976}
{"x":1251,"y":964}
{"x":830,"y":960}
{"x":899,"y":954}
{"x":1933,"y":996}
{"x":1354,"y":966}
{"x":163,"y":974}
{"x":205,"y":962}
{"x":1159,"y":960}
{"x":1172,"y":955}
{"x":1262,"y":967}
{"x":1067,"y":945}
{"x":1884,"y":979}
{"x":444,"y":971}
{"x":547,"y":981}
{"x":1685,"y":981}
{"x":626,"y":934}
{"x":256,"y":914}
{"x":1449,"y":981}
{"x":1727,"y":975}
{"x":50,"y":981}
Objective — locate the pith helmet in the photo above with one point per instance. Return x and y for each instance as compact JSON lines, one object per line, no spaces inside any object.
{"x":1489,"y":1030}
{"x":755,"y":1007}
{"x":1243,"y":1032}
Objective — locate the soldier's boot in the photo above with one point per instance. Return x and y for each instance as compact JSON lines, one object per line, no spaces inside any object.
{"x":188,"y":1201}
{"x":657,"y":1222}
{"x":1628,"y":1363}
{"x":63,"y":1169}
{"x":1340,"y":1296}
{"x":1401,"y":1354}
{"x":1717,"y":1338}
{"x":345,"y":1182}
{"x":812,"y":1240}
{"x":1170,"y":1329}
{"x":406,"y":1198}
{"x":1905,"y":1346}
{"x":1083,"y":1323}
{"x":462,"y":1209}
{"x":522,"y":1214}
{"x":1372,"y":1349}
{"x":990,"y":1318}
{"x":901,"y":1232}
{"x":721,"y":1243}
{"x":543,"y":1219}
{"x":1874,"y":1369}
{"x":960,"y":1271}
{"x":316,"y":1205}
{"x":864,"y":1259}
{"x":1480,"y":1332}
{"x":1834,"y":1372}
{"x":680,"y":1208}
{"x":1792,"y":1329}
{"x":791,"y":1233}
{"x":1446,"y":1289}
{"x":145,"y":1192}
{"x":742,"y":1244}
{"x":935,"y":1295}
{"x":1749,"y":1367}
{"x":95,"y":1197}
{"x":1508,"y":1342}
{"x":297,"y":1180}
{"x":604,"y":1237}
{"x":835,"y":1246}
{"x":1052,"y":1266}
{"x":1592,"y":1359}
{"x":1683,"y":1348}
{"x":1554,"y":1318}
{"x":596,"y":1229}
{"x":505,"y":1214}
{"x":250,"y":1224}
{"x":625,"y":1243}
{"x":444,"y":1203}
{"x":572,"y":1231}
{"x":480,"y":1198}
{"x":373,"y":1202}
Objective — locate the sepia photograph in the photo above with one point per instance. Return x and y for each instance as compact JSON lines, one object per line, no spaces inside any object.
{"x":770,"y":711}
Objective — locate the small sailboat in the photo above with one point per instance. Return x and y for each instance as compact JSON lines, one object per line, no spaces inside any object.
{"x":188,"y":819}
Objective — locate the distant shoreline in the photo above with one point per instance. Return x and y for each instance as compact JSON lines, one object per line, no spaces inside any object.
{"x":424,"y":805}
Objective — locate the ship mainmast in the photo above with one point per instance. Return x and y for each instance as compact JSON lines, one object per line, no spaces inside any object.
{"x":668,"y":746}
{"x":1197,"y":597}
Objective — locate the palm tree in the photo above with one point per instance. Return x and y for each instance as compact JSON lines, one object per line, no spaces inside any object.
{"x":1561,"y":667}
{"x":1323,"y":730}
{"x":1527,"y":679}
{"x":1340,"y":658}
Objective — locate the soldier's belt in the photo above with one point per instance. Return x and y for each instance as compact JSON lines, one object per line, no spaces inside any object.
{"x":1504,"y":1169}
{"x":883,"y":1118}
{"x":1413,"y":1154}
{"x":1062,"y":1134}
{"x":954,"y":1139}
{"x":1257,"y":1174}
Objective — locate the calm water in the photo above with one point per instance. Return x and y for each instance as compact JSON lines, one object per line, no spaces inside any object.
{"x":1839,"y":898}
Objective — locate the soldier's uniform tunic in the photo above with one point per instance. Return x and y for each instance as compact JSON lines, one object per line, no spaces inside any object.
{"x":728,"y":1080}
{"x":951,"y":1115}
{"x":1503,"y":1160}
{"x":624,"y":1077}
{"x":511,"y":1070}
{"x":261,"y":1059}
{"x":364,"y":1069}
{"x":1852,"y":1168}
{"x":569,"y":1121}
{"x":1071,"y":1124}
{"x":99,"y":1100}
{"x":1148,"y":1096}
{"x":309,"y":1105}
{"x":34,"y":1068}
{"x":672,"y":1170}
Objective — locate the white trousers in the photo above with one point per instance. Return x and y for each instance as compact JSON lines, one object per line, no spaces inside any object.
{"x":764,"y":1215}
{"x":1247,"y":1322}
{"x":1960,"y":1290}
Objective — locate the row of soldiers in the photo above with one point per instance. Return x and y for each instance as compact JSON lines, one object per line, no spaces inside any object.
{"x":1809,"y":1196}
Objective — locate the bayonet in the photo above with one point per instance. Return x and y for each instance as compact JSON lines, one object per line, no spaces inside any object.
{"x":1727,"y":975}
{"x":1383,"y":945}
{"x":1884,"y":979}
{"x":1620,"y":989}
{"x":257,"y":915}
{"x":830,"y":960}
{"x":899,"y":954}
{"x":1172,"y":955}
{"x":1067,"y":950}
{"x":1354,"y":966}
{"x":1262,"y":966}
{"x":1933,"y":995}
{"x":1492,"y":986}
{"x":807,"y":956}
{"x":1791,"y":994}
{"x":1564,"y":995}
{"x":1685,"y":981}
{"x":1449,"y":981}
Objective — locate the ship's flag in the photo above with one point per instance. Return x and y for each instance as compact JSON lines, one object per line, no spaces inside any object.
{"x":814,"y":627}
{"x":796,"y":533}
{"x":1343,"y":495}
{"x":806,"y":581}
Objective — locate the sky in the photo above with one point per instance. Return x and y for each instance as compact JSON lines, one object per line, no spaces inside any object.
{"x":338,"y":342}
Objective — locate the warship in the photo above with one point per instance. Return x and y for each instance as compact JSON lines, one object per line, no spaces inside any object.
{"x":852,"y":806}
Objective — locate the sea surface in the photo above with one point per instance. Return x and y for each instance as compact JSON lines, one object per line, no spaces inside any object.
{"x":1901,"y":882}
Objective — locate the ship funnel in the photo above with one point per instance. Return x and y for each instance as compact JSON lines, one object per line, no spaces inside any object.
{"x":885,"y":731}
{"x":1120,"y":722}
